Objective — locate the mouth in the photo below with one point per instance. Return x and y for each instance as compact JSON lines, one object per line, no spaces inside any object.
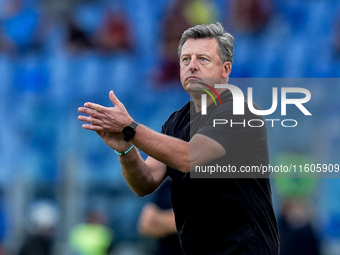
{"x":192,"y":78}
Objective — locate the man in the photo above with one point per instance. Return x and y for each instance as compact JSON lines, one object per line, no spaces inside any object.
{"x":213,"y":216}
{"x":157,"y":220}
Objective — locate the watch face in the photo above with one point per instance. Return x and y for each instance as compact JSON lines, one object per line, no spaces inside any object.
{"x":128,"y":133}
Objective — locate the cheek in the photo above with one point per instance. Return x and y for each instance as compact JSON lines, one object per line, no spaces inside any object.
{"x":182,"y":71}
{"x":219,"y":72}
{"x":212,"y":72}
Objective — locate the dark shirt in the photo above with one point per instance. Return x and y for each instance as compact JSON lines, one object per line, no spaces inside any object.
{"x":37,"y":245}
{"x":298,"y":240}
{"x":223,"y":215}
{"x":168,"y":245}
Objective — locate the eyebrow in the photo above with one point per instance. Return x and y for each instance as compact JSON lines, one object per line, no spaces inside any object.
{"x":199,"y":55}
{"x":203,"y":55}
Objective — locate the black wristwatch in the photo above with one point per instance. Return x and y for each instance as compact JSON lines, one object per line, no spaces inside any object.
{"x":130,"y":131}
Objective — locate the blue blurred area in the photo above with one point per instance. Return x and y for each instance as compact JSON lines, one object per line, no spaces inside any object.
{"x":45,"y":152}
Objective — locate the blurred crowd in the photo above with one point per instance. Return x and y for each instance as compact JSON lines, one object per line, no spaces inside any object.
{"x":56,"y":193}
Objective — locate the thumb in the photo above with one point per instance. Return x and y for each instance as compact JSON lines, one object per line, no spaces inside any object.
{"x":114,"y":99}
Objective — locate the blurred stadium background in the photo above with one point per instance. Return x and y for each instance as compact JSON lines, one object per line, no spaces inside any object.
{"x":57,"y":54}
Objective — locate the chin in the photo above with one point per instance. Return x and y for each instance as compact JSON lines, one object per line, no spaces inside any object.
{"x":195,"y":92}
{"x":193,"y":85}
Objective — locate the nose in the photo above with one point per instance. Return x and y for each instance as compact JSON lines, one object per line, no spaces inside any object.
{"x":193,"y":66}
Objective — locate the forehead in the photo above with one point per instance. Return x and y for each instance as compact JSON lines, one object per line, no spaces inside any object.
{"x":200,"y":46}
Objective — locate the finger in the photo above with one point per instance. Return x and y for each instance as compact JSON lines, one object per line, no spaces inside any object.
{"x":91,"y":120}
{"x":114,"y":99}
{"x":93,"y":106}
{"x":92,"y":127}
{"x":91,"y":112}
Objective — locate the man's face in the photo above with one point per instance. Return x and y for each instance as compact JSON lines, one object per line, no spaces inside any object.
{"x":200,"y":62}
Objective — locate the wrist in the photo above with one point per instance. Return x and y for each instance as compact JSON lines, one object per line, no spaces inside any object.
{"x":122,"y":153}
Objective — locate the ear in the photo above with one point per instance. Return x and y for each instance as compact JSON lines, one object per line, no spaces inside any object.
{"x":226,"y":69}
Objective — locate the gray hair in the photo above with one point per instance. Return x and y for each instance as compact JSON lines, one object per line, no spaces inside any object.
{"x":224,"y":39}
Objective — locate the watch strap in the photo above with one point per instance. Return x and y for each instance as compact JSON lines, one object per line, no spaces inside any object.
{"x":134,"y":124}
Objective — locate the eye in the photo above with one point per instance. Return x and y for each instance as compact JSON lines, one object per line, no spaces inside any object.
{"x":203,"y":59}
{"x":185,"y":60}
